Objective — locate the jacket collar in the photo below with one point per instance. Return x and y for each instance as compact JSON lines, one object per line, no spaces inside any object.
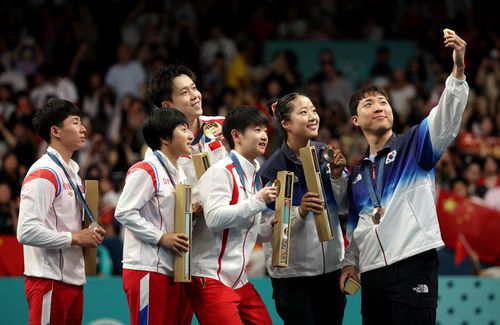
{"x":290,"y":155}
{"x":387,"y":148}
{"x":176,"y":172}
{"x":72,"y":166}
{"x":247,"y":166}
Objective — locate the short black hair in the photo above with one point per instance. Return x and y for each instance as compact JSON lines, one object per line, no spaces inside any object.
{"x":362,"y":93}
{"x":53,"y":113}
{"x":239,"y":119}
{"x":160,"y":85}
{"x":161,"y":125}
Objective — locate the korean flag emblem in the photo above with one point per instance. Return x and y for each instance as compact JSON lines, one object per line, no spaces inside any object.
{"x":390,"y":157}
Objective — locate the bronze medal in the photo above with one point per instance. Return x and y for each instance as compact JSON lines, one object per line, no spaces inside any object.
{"x":210,"y":128}
{"x":377,"y":215}
{"x":328,"y":153}
{"x":277,"y":184}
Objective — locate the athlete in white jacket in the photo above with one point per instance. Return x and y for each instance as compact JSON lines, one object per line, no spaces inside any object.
{"x":50,"y":221}
{"x":146,"y":210}
{"x":233,"y":201}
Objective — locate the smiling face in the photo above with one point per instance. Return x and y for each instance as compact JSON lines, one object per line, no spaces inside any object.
{"x":252,"y":142}
{"x":71,"y":134}
{"x":303,"y":121}
{"x":374,"y":114}
{"x":185,"y":97}
{"x":180,"y":144}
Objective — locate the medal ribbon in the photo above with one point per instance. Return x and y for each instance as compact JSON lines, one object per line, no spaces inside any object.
{"x":199,"y":135}
{"x":164,"y":164}
{"x":75,"y":188}
{"x":374,"y":190}
{"x":241,"y":174}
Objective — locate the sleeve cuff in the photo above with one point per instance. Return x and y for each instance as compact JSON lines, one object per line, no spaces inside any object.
{"x":338,"y":182}
{"x":260,"y":204}
{"x":69,"y":239}
{"x":452,"y":78}
{"x":296,"y":218}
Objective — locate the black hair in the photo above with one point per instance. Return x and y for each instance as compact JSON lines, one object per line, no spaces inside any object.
{"x":239,"y":119}
{"x":53,"y":113}
{"x":281,"y":109}
{"x":362,"y":93}
{"x":161,"y":125}
{"x":160,"y":85}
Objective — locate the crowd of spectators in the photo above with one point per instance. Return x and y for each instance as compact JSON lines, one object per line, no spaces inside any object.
{"x":100,"y":55}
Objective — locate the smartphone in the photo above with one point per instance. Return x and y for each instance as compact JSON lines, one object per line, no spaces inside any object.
{"x":351,"y":286}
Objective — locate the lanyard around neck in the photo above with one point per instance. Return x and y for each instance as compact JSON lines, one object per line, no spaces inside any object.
{"x":375,"y":193}
{"x":164,"y":164}
{"x":198,"y":136}
{"x":75,"y":188}
{"x":241,"y":174}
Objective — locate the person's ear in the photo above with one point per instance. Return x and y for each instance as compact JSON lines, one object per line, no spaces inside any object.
{"x":165,"y":142}
{"x":355,"y":120}
{"x":285,"y":125}
{"x":236,"y":136}
{"x":55,"y":132}
{"x":167,"y":104}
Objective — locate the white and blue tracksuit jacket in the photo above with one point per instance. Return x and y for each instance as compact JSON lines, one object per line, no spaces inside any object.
{"x":410,"y":225}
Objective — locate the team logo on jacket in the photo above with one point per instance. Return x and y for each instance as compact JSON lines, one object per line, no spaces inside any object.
{"x":67,"y":187}
{"x":390,"y":157}
{"x":215,"y":146}
{"x":357,"y":179}
{"x":421,"y":288}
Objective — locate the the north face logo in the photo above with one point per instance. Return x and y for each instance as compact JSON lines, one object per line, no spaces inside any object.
{"x":421,"y":288}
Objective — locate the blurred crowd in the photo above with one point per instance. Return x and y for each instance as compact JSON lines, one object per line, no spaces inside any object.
{"x":101,"y":54}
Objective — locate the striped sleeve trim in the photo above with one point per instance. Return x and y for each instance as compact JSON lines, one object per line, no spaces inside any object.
{"x":148,"y":168}
{"x":45,"y":173}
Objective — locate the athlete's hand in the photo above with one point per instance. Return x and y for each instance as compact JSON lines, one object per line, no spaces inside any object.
{"x":197,"y":209}
{"x":348,"y":271}
{"x":337,"y":164}
{"x":268,"y":194}
{"x":458,"y":45}
{"x":178,"y":243}
{"x":87,"y":237}
{"x":310,"y":203}
{"x":220,"y":137}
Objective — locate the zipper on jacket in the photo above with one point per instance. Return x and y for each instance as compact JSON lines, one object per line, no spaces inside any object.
{"x":161,"y":226}
{"x":61,"y":256}
{"x":61,"y":264}
{"x":381,"y":247}
{"x":243,"y":264}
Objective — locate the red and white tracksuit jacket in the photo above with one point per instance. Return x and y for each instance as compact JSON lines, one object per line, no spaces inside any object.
{"x":225,"y":237}
{"x":49,"y":212}
{"x":146,"y":209}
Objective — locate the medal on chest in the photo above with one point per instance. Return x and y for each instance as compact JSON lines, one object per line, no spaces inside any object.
{"x":377,"y":215}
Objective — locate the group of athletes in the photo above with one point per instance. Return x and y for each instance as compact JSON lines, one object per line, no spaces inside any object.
{"x":388,"y":194}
